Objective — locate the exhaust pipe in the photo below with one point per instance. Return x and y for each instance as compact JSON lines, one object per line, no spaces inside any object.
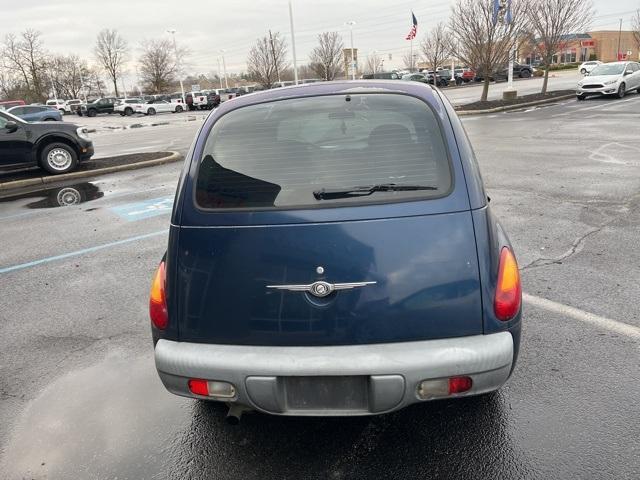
{"x":234,"y":414}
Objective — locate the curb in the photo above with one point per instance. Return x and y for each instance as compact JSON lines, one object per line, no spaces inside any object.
{"x":29,"y":182}
{"x":462,"y":113}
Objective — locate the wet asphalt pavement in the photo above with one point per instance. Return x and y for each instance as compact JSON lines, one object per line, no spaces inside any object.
{"x":79,"y":396}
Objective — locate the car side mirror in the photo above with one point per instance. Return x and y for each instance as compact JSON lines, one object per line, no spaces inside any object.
{"x":11,"y":126}
{"x":627,"y":72}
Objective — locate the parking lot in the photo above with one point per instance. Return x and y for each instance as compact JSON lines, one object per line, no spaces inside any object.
{"x":175,"y":131}
{"x":80,"y":398}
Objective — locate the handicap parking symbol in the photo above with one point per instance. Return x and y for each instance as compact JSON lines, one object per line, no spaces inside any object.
{"x":140,"y":210}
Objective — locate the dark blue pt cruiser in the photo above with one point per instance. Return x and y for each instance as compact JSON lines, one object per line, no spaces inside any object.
{"x":332,"y":252}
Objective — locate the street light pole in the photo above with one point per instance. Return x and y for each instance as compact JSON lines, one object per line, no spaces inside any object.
{"x":619,"y":35}
{"x":82,"y":85}
{"x":293,"y":45}
{"x":172,"y":31}
{"x":224,"y":68}
{"x":219,"y":76}
{"x":351,"y":23}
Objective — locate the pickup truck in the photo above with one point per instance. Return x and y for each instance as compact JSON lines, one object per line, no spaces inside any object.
{"x":101,"y":105}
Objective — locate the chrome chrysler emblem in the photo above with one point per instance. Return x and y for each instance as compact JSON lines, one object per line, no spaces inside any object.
{"x":321,"y":289}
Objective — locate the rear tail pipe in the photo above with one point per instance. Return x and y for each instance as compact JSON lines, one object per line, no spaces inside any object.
{"x":235,"y":413}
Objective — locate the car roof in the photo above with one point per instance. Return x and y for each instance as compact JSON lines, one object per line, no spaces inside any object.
{"x":418,"y":89}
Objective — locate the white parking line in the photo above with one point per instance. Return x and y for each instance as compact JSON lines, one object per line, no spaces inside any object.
{"x":582,"y":316}
{"x":612,"y":104}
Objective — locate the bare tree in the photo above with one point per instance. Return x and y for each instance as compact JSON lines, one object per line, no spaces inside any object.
{"x":635,"y":27}
{"x":25,"y":57}
{"x":373,"y":63}
{"x":111,"y":52}
{"x":552,"y":21}
{"x":409,"y":60}
{"x":10,"y":85}
{"x":326,"y":58}
{"x":66,"y":74}
{"x":158,"y":67}
{"x":267,"y":59}
{"x":94,"y":84}
{"x":435,"y":46}
{"x":477,"y":40}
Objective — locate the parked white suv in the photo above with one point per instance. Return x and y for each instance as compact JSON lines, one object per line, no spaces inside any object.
{"x":58,"y":104}
{"x":70,"y":106}
{"x":128,"y":106}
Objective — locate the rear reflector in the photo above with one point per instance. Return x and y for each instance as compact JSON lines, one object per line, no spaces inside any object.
{"x":444,"y":387}
{"x":212,"y":388}
{"x":199,"y":387}
{"x":459,"y":384}
{"x":508,"y":297}
{"x":158,"y":299}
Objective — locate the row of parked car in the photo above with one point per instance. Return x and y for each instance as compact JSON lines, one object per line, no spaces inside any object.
{"x":442,"y":76}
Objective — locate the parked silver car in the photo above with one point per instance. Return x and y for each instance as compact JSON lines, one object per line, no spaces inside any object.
{"x":615,"y":78}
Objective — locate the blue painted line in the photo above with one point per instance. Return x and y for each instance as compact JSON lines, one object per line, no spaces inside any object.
{"x":145,"y":209}
{"x":80,"y":252}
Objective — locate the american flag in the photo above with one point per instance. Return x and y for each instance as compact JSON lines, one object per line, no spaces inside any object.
{"x":414,"y":28}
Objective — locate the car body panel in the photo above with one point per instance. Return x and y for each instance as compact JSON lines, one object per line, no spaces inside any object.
{"x":160,"y":106}
{"x":100,"y":105}
{"x":26,"y":141}
{"x":31,"y":113}
{"x":610,"y":84}
{"x":424,"y":270}
{"x":427,"y":283}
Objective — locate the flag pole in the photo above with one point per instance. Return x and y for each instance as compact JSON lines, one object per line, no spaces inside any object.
{"x":411,"y":65}
{"x":293,"y":45}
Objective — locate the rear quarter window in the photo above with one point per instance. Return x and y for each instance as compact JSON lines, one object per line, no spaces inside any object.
{"x":278,"y":155}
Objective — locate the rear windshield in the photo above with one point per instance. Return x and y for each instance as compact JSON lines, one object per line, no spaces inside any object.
{"x":322,"y":151}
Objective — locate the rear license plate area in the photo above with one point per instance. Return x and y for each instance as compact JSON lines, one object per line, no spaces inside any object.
{"x":334,"y":393}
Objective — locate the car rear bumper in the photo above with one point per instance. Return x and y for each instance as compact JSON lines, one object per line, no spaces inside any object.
{"x":370,"y":379}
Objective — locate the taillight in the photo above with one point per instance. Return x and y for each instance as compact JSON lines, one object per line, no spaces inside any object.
{"x":158,"y":299}
{"x":459,"y":384}
{"x":508,"y":289}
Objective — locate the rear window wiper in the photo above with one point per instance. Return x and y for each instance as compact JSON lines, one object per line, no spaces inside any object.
{"x":359,"y":191}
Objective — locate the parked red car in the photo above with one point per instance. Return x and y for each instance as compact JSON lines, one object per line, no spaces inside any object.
{"x":468,"y":75}
{"x":7,"y":104}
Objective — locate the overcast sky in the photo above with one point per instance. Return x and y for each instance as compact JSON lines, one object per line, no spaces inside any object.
{"x":70,"y":26}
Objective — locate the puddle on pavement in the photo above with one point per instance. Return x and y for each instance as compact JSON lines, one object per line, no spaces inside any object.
{"x":59,"y":196}
{"x":111,"y":420}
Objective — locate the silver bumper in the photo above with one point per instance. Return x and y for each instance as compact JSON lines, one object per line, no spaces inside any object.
{"x":386,"y":375}
{"x":605,"y":90}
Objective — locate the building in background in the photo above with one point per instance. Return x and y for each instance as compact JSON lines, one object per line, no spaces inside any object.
{"x":606,"y":45}
{"x":580,"y":47}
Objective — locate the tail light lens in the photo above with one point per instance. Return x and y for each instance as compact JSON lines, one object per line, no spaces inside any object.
{"x":158,"y":299}
{"x":459,"y":384}
{"x":508,"y":289}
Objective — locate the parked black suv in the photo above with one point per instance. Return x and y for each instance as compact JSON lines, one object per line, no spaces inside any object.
{"x":57,"y":147}
{"x":519,"y":71}
{"x":101,"y":105}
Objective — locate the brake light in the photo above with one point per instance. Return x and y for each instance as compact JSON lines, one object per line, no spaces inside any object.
{"x":506,"y":303}
{"x":199,"y":387}
{"x":158,"y":299}
{"x":459,"y":384}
